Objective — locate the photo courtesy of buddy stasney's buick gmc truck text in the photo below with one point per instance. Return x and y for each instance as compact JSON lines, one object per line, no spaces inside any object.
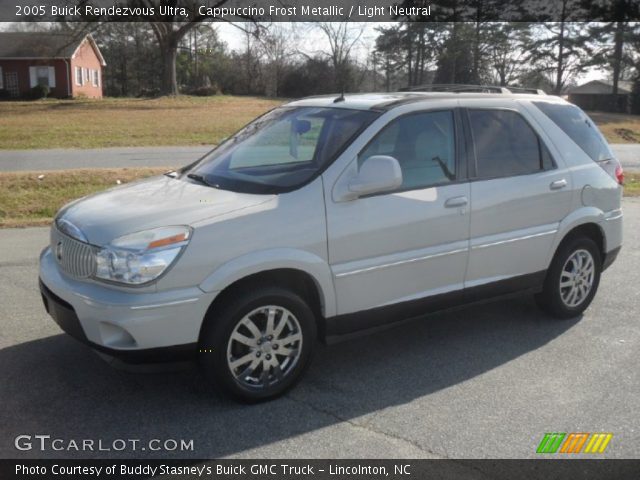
{"x":209,"y":470}
{"x":331,"y":215}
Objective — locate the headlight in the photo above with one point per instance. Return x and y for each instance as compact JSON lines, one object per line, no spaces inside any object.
{"x":141,"y":257}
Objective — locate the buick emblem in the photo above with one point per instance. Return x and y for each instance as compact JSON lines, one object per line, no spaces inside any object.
{"x":59,"y":251}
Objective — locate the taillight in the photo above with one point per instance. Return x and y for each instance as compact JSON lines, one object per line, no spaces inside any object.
{"x":614,"y":169}
{"x":620,"y":175}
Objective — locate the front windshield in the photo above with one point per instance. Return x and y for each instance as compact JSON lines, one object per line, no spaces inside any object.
{"x":281,"y":150}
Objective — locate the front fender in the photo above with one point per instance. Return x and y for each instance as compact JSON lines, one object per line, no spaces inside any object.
{"x":272,"y":259}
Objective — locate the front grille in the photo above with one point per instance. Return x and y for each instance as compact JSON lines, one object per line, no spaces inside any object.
{"x":74,"y":257}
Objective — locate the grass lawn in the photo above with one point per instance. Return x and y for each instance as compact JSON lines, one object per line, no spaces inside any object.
{"x":26,"y":200}
{"x":169,"y":121}
{"x":126,"y":122}
{"x":631,"y":184}
{"x":617,"y":127}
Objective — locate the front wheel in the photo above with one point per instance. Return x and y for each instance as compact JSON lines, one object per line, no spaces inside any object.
{"x":258,"y":344}
{"x":572,"y":279}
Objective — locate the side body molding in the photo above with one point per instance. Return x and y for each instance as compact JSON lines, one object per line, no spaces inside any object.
{"x":272,"y":259}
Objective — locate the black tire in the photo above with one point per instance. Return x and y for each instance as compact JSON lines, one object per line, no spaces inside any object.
{"x":550,"y":299}
{"x":221,"y":324}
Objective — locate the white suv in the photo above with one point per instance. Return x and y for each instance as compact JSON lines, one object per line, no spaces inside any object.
{"x":327,"y":216}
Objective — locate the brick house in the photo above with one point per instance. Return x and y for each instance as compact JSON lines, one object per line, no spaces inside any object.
{"x":68,"y":65}
{"x":598,"y":95}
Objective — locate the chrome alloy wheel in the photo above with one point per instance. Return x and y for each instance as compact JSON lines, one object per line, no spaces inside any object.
{"x":576,"y":279}
{"x":264,"y":347}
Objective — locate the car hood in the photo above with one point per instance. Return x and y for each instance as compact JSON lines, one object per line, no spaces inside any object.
{"x":156,"y":202}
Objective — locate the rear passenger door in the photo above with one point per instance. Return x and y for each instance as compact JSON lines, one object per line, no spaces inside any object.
{"x":519,"y":195}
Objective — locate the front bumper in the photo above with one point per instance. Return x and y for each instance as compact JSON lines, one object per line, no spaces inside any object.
{"x":133,"y":326}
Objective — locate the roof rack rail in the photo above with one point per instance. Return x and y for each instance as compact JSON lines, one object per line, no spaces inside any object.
{"x":535,"y":91}
{"x":460,"y":88}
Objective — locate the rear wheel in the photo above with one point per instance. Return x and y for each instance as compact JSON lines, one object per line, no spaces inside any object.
{"x":257,"y":345}
{"x":572,"y":279}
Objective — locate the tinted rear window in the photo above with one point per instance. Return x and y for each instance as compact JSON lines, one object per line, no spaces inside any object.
{"x":575,"y":123}
{"x":506,"y":145}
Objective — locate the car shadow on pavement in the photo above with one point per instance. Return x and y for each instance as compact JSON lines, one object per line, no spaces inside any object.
{"x":58,"y":387}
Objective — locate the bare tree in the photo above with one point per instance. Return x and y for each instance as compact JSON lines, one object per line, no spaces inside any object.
{"x":170,"y":29}
{"x":342,"y":38}
{"x":507,"y":51}
{"x":277,"y":49}
{"x":561,"y":50}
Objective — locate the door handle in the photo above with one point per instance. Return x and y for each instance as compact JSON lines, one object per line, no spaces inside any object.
{"x":456,"y":202}
{"x":558,"y":184}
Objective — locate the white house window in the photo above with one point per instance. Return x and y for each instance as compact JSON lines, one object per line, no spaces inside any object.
{"x":85,"y":75}
{"x":78,"y":76}
{"x":39,"y":75}
{"x":42,"y":76}
{"x":96,"y":78}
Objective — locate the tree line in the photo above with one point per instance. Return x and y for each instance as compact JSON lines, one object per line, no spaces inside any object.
{"x":275,"y":59}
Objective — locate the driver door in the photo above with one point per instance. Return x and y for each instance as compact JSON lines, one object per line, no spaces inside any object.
{"x":394,"y":247}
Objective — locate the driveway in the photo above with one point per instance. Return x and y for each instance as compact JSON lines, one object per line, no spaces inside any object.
{"x":132,"y":157}
{"x":628,"y":154}
{"x":16,"y":160}
{"x":483,"y":382}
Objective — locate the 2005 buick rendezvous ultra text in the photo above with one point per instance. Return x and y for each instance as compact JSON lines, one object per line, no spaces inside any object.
{"x":331,"y":215}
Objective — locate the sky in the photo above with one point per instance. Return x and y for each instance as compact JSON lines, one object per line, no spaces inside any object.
{"x":309,"y":39}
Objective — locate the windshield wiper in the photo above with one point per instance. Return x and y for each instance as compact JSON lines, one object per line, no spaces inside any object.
{"x":199,"y":179}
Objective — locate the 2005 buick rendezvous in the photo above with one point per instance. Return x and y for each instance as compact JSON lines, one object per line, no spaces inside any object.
{"x":330,"y":215}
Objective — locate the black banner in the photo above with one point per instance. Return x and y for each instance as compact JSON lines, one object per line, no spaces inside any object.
{"x":575,"y":469}
{"x":320,"y":10}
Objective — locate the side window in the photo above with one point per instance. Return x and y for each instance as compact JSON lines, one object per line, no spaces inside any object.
{"x":424,"y":145}
{"x":505,"y":144}
{"x":575,"y":123}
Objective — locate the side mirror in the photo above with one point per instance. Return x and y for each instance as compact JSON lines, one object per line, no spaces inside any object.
{"x":301,"y":126}
{"x":379,"y":173}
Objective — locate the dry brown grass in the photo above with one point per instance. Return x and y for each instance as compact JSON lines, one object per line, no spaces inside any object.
{"x":170,"y":121}
{"x":26,"y":200}
{"x":618,"y":128}
{"x":126,"y":122}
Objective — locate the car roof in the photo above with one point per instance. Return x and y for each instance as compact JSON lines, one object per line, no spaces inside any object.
{"x":390,"y":100}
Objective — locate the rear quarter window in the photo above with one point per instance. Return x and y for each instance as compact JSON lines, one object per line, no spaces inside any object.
{"x":579,"y":127}
{"x":505,"y":144}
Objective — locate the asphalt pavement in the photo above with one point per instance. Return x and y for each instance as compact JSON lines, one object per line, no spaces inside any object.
{"x":483,"y":382}
{"x":172,"y":157}
{"x":132,"y":157}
